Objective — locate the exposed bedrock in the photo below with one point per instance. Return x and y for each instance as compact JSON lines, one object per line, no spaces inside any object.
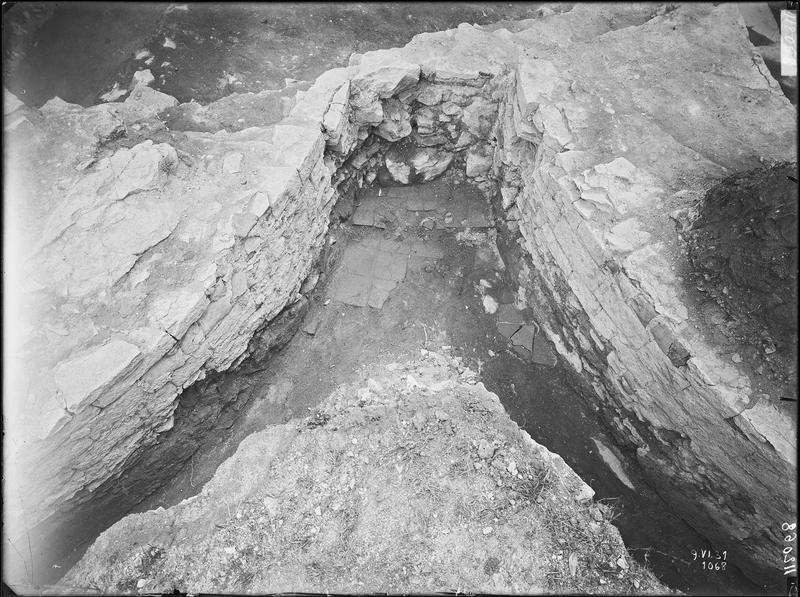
{"x":146,"y":259}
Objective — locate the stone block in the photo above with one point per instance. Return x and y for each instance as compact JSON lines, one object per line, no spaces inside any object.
{"x":538,"y":81}
{"x":429,"y":95}
{"x":430,"y":162}
{"x":651,"y":269}
{"x":478,"y":162}
{"x":627,"y":236}
{"x":93,"y":370}
{"x":396,"y":123}
{"x":11,"y":102}
{"x":380,"y":72}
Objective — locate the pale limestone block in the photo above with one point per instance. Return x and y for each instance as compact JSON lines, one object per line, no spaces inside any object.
{"x":93,"y":370}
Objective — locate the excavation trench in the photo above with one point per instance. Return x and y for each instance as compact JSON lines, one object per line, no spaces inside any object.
{"x":450,"y":288}
{"x":425,"y":249}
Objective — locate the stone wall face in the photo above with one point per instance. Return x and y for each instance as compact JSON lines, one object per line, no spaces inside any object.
{"x":594,"y":211}
{"x":692,"y":434}
{"x":158,"y":260}
{"x":157,"y":266}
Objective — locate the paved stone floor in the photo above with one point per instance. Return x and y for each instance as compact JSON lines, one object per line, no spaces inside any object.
{"x":372,"y":266}
{"x":396,"y":233}
{"x":434,"y":205}
{"x":524,"y":336}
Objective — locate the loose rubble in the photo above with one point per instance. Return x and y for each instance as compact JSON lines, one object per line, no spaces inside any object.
{"x":375,"y":492}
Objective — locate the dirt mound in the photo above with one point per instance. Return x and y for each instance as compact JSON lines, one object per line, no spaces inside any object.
{"x":743,"y":248}
{"x":418,"y":481}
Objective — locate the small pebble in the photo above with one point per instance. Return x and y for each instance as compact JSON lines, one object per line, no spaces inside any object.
{"x":485,"y":449}
{"x":487,"y":531}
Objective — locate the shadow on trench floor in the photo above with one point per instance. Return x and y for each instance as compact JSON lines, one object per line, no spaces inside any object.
{"x":418,"y":267}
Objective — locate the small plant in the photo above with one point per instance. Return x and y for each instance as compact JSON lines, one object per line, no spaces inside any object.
{"x":532,"y":487}
{"x":166,"y":165}
{"x":318,"y":419}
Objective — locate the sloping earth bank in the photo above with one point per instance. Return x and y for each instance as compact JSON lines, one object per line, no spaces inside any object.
{"x":417,"y":481}
{"x":743,"y":247}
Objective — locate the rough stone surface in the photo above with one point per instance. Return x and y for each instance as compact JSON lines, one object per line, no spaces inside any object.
{"x":142,"y":77}
{"x":10,"y":102}
{"x":415,"y":482}
{"x":148,"y":264}
{"x":372,"y":269}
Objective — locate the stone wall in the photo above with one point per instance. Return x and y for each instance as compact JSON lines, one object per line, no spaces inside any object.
{"x":153,"y":264}
{"x":592,"y":179}
{"x":158,"y":254}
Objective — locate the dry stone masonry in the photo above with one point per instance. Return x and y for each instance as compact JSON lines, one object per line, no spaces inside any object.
{"x":149,"y":257}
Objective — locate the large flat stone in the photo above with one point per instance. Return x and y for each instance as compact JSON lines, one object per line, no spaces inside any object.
{"x":524,"y":336}
{"x":84,"y":375}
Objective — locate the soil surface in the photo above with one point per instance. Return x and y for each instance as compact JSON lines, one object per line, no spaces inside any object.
{"x":415,"y":480}
{"x":206,"y":51}
{"x":743,"y":249}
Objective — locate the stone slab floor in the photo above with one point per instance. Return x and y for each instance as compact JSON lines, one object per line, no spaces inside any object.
{"x":401,"y":234}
